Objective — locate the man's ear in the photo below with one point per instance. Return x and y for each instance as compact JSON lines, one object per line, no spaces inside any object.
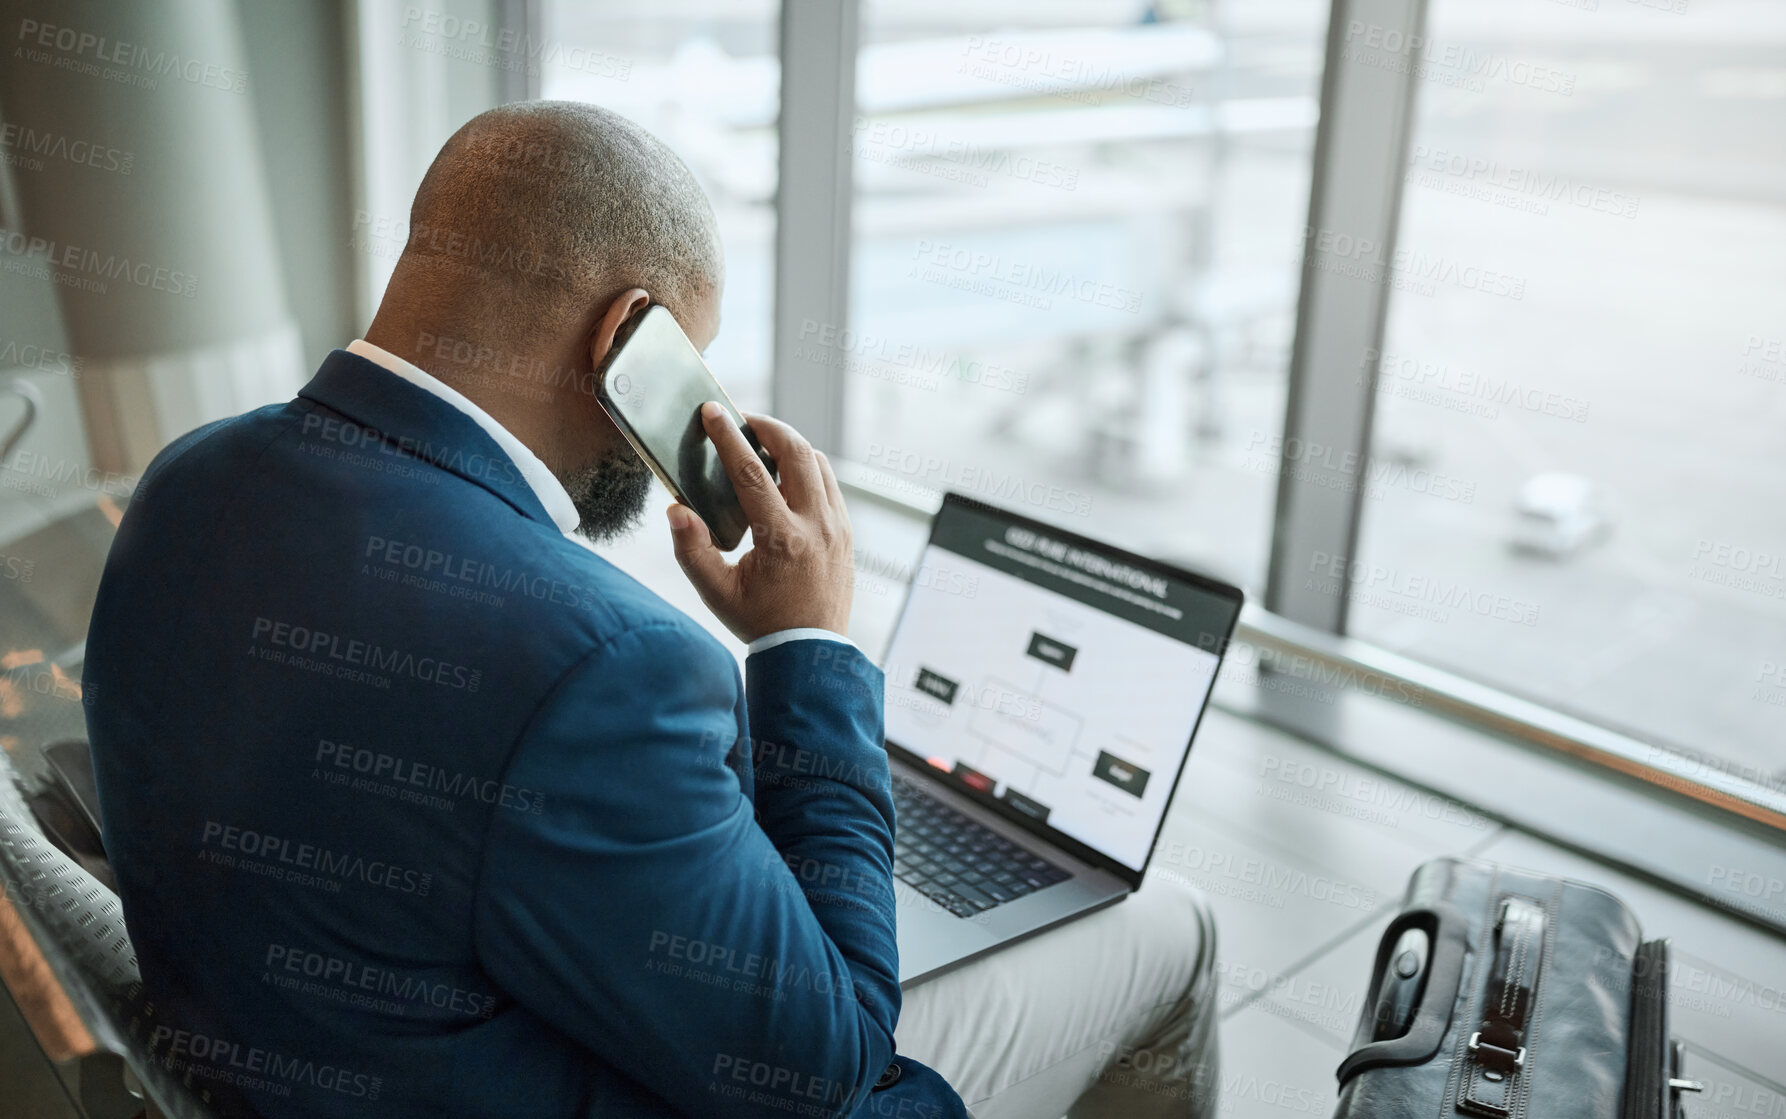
{"x":628,"y":303}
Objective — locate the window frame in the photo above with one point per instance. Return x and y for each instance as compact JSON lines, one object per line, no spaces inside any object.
{"x":1356,"y":189}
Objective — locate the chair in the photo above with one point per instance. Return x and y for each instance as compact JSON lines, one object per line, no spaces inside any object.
{"x":67,"y":959}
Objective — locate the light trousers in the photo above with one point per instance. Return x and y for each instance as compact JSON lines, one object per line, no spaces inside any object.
{"x":1110,"y":1015}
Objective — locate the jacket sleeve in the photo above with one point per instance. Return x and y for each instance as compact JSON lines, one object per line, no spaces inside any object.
{"x":646,"y":913}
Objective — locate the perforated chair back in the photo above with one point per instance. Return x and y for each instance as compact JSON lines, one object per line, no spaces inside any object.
{"x":66,"y":957}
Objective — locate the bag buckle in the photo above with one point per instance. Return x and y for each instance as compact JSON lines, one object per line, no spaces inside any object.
{"x":1495,"y":1056}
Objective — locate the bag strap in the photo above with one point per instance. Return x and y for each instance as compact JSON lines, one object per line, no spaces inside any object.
{"x":1496,"y":1057}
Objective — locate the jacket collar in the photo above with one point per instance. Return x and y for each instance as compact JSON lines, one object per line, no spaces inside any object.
{"x":407,"y":420}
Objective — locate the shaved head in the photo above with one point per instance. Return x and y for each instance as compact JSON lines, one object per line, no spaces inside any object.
{"x":539,"y":232}
{"x":538,"y":210}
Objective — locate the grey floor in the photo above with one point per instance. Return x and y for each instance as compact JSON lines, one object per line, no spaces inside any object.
{"x":1294,"y":960}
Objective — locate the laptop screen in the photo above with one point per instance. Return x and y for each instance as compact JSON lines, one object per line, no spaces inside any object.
{"x":1061,"y":678}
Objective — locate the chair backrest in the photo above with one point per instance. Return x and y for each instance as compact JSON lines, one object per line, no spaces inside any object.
{"x":62,"y":940}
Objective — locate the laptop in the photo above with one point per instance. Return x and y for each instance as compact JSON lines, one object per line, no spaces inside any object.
{"x":1042,"y":691}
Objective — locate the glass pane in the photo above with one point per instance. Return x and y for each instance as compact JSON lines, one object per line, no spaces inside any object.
{"x":1075,"y":272}
{"x":1589,"y":344}
{"x":703,"y":76}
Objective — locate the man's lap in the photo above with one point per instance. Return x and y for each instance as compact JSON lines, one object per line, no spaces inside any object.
{"x":1025,"y":1030}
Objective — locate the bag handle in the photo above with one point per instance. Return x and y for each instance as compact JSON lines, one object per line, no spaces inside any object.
{"x":1448,"y":935}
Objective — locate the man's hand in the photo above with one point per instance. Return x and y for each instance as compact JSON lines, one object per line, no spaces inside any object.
{"x":798,"y":570}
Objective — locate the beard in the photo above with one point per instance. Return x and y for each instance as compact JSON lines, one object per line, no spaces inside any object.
{"x":609,"y":494}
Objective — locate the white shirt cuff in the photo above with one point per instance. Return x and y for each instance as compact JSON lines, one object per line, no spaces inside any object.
{"x":771,"y":640}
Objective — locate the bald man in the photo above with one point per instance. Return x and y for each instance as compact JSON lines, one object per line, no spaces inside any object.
{"x":418,"y":807}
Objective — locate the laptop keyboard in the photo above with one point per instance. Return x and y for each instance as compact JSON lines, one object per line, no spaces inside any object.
{"x":963,"y":866}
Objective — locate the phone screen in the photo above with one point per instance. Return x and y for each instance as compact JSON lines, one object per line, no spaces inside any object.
{"x":653,"y":387}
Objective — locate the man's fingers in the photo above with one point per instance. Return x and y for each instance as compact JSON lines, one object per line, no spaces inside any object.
{"x":704,"y":564}
{"x":833,"y":492}
{"x":757,"y":494}
{"x":801,"y":482}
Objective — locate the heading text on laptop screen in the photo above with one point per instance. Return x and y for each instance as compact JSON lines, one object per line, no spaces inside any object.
{"x":1062,"y":680}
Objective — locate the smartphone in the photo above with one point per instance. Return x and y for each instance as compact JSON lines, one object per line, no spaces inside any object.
{"x":652,"y":386}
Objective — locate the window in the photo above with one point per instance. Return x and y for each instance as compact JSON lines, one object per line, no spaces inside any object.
{"x":702,"y":76}
{"x":1586,"y":337}
{"x":1074,"y":265}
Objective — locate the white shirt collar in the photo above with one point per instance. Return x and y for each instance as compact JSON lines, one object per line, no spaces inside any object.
{"x":545,"y":486}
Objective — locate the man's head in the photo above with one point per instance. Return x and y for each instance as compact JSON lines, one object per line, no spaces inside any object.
{"x":539,"y":229}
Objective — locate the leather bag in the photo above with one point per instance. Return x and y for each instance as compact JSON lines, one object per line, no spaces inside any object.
{"x":1503,"y":994}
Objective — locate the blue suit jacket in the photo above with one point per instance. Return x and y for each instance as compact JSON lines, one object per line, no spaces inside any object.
{"x":418,"y":808}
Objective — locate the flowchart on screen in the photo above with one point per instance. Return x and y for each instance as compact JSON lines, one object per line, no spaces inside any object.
{"x":1071,"y":714}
